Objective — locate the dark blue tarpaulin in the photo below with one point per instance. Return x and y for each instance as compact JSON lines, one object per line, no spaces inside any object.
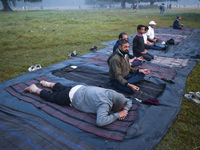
{"x":152,"y":121}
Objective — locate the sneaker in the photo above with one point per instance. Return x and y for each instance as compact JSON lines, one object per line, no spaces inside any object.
{"x":38,"y":66}
{"x":94,"y":48}
{"x":32,"y":68}
{"x":73,"y":54}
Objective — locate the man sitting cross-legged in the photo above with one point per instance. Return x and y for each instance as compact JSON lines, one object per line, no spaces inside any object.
{"x":151,"y":34}
{"x":122,"y":76}
{"x":151,"y":45}
{"x":122,"y":36}
{"x":132,"y":60}
{"x":138,"y":45}
{"x":176,"y":24}
{"x":106,"y":103}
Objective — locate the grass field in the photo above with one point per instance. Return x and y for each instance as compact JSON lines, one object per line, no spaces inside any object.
{"x":54,"y":34}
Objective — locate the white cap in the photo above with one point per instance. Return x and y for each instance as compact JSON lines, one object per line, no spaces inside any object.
{"x":152,"y":23}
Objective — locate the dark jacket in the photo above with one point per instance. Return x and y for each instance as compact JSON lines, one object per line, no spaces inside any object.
{"x":119,"y":67}
{"x":176,"y":24}
{"x":138,"y":45}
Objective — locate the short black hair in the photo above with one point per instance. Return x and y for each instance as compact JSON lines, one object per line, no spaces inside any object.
{"x":178,"y":17}
{"x":123,"y":41}
{"x":146,"y":28}
{"x":121,"y":35}
{"x":140,"y":26}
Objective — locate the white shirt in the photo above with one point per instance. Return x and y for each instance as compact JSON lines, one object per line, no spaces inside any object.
{"x":150,"y":33}
{"x":145,"y":38}
{"x":73,"y":90}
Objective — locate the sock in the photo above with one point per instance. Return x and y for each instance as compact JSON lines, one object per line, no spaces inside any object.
{"x":45,"y":83}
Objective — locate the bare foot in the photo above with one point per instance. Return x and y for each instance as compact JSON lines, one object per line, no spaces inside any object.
{"x":32,"y":88}
{"x":45,"y":83}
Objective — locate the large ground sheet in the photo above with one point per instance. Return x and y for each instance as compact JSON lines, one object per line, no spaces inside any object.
{"x":19,"y":130}
{"x":87,"y":122}
{"x":152,"y":121}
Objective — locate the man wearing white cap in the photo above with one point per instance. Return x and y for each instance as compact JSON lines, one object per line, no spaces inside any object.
{"x":150,"y":34}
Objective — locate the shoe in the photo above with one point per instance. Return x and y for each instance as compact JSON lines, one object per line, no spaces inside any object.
{"x":94,"y":48}
{"x":32,"y":68}
{"x":196,"y":94}
{"x":73,"y":54}
{"x":190,"y":97}
{"x":37,"y":66}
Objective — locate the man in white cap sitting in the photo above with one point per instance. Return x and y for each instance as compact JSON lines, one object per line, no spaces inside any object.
{"x":150,"y":34}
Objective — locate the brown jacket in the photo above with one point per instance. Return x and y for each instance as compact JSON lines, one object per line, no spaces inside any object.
{"x":119,"y":67}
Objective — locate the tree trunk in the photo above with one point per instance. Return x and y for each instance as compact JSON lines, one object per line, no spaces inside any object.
{"x":123,"y":4}
{"x":6,"y":7}
{"x":152,"y":2}
{"x":137,"y":5}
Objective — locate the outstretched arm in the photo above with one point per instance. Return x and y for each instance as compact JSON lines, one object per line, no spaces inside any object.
{"x":104,"y":117}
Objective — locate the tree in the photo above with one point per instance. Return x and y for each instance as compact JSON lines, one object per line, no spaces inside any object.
{"x":123,"y":2}
{"x":6,"y":6}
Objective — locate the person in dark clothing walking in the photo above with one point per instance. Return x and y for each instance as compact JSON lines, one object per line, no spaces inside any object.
{"x":138,"y":45}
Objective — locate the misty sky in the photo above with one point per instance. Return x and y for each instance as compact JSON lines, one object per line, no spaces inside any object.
{"x":77,"y":3}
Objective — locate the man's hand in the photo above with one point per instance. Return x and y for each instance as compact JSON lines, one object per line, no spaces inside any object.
{"x":133,"y":87}
{"x":144,"y":52}
{"x":152,"y":43}
{"x":141,"y":58}
{"x":145,"y":71}
{"x":123,"y":114}
{"x":132,"y":60}
{"x":154,"y":40}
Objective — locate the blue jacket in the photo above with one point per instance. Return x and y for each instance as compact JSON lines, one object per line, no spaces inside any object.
{"x":116,"y":46}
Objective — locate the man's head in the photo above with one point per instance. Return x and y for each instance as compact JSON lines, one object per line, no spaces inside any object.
{"x":179,"y":17}
{"x":123,"y":36}
{"x":119,"y":102}
{"x":141,"y":29}
{"x":152,"y":24}
{"x":146,"y":29}
{"x":124,"y":46}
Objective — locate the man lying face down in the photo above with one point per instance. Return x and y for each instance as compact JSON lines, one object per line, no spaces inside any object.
{"x":107,"y":104}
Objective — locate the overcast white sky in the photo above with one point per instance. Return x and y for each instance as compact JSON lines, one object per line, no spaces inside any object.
{"x":77,"y":3}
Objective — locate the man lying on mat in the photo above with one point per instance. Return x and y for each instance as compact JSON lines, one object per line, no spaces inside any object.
{"x":122,"y":76}
{"x":106,"y":103}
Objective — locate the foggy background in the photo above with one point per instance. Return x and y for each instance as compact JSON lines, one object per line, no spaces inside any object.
{"x":77,"y":4}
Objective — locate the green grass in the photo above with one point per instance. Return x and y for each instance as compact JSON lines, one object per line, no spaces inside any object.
{"x":80,"y":30}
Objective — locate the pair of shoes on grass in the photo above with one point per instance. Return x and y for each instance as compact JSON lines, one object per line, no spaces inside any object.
{"x":193,"y":96}
{"x":93,"y":49}
{"x":73,"y":54}
{"x":33,"y":68}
